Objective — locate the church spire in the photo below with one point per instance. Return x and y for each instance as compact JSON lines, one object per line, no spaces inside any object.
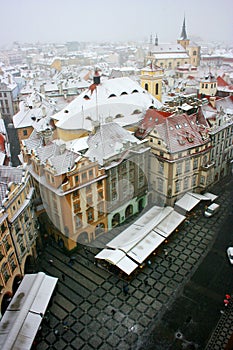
{"x":183,"y":33}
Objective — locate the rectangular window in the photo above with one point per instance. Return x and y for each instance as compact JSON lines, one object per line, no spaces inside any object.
{"x":90,"y":215}
{"x":78,"y":221}
{"x":77,"y":206}
{"x":202,"y":180}
{"x":161,"y":167}
{"x":160,"y":185}
{"x":113,"y":185}
{"x":178,"y":168}
{"x":25,"y":132}
{"x":194,"y":181}
{"x":76,"y":178}
{"x":91,"y":173}
{"x":195,"y":163}
{"x":177,"y":186}
{"x":75,"y":193}
{"x":3,"y":228}
{"x":186,"y":183}
{"x":187,"y":165}
{"x":84,"y":176}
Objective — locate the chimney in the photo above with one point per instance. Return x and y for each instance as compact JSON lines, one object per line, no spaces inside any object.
{"x":212,"y":101}
{"x":96,"y":77}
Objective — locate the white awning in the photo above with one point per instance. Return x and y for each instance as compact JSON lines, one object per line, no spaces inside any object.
{"x":110,"y":255}
{"x":141,"y":238}
{"x":21,"y":321}
{"x":210,"y":196}
{"x":139,"y":229}
{"x":187,"y":202}
{"x":145,"y":247}
{"x":127,"y":265}
{"x":168,"y":225}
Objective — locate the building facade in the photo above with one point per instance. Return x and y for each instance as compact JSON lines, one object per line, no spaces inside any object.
{"x":180,"y":157}
{"x":171,"y":56}
{"x":18,"y":230}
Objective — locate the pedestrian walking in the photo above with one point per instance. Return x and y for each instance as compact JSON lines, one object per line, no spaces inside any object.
{"x":125,"y":289}
{"x":70,"y":263}
{"x":63,"y":277}
{"x":56,"y":333}
{"x":51,"y":262}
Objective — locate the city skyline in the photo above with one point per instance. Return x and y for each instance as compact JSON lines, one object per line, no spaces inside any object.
{"x":58,"y":21}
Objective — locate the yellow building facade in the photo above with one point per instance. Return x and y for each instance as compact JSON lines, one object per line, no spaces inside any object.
{"x":18,"y":231}
{"x":151,"y":80}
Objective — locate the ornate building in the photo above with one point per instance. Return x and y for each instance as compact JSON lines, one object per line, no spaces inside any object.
{"x":180,"y":161}
{"x":18,"y":230}
{"x":171,"y":56}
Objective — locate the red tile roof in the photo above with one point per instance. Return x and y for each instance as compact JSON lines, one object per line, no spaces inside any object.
{"x":221,"y":81}
{"x":151,"y":119}
{"x":180,"y":132}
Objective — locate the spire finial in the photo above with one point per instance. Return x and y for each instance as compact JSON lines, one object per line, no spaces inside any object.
{"x":183,"y":32}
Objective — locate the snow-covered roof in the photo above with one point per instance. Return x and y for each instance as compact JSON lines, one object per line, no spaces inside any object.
{"x":109,"y":140}
{"x":112,"y":98}
{"x":167,"y":48}
{"x":35,"y":108}
{"x":171,"y":55}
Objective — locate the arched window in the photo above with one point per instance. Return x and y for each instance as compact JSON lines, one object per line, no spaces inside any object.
{"x":156,"y":89}
{"x":194,"y":53}
{"x":146,"y":87}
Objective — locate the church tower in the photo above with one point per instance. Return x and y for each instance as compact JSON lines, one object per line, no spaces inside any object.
{"x":184,"y":41}
{"x":151,"y":80}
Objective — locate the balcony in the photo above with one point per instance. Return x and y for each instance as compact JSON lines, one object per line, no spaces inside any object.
{"x":207,"y":166}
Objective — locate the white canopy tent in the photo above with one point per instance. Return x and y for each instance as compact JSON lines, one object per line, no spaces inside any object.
{"x":168,"y":225}
{"x":145,"y":247}
{"x":140,"y":239}
{"x":110,"y":255}
{"x":21,"y":321}
{"x":187,"y":202}
{"x":205,"y":197}
{"x":127,"y":265}
{"x":210,"y":196}
{"x":191,"y":199}
{"x":117,"y":258}
{"x":130,"y":237}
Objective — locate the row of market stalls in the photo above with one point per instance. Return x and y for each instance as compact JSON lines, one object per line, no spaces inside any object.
{"x":134,"y":245}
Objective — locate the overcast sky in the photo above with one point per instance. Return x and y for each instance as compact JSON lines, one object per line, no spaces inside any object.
{"x":114,"y":20}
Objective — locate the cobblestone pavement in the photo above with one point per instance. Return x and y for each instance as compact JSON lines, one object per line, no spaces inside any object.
{"x":90,"y":310}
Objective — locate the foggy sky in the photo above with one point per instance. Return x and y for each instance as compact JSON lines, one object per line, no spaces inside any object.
{"x":119,"y":20}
